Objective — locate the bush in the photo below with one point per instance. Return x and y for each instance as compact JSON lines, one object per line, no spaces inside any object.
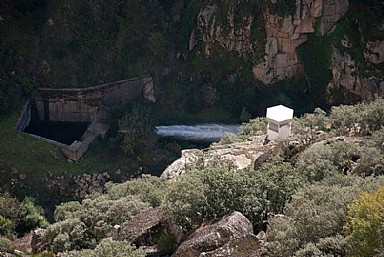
{"x":25,"y":215}
{"x":216,"y":191}
{"x":5,"y":245}
{"x":31,"y":216}
{"x":365,"y":225}
{"x":6,"y":226}
{"x":84,"y":225}
{"x":166,"y":243}
{"x":107,"y":248}
{"x":150,"y":189}
{"x":315,"y":218}
{"x":254,"y":127}
{"x":228,"y":138}
{"x":321,"y":161}
{"x":307,"y":126}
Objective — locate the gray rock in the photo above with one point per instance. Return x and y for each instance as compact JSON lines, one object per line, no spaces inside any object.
{"x":231,"y":236}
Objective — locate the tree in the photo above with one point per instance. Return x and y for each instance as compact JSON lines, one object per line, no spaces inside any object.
{"x":24,"y":215}
{"x":365,"y":225}
{"x":138,"y":129}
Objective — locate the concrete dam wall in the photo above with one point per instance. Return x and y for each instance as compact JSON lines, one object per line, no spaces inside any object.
{"x":78,"y":106}
{"x":88,"y":104}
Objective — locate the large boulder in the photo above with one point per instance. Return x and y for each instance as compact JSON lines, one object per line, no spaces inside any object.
{"x":249,"y":154}
{"x":231,"y":236}
{"x":146,"y":227}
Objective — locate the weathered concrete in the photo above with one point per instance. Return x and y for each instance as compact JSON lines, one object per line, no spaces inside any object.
{"x":76,"y":150}
{"x":87,"y":104}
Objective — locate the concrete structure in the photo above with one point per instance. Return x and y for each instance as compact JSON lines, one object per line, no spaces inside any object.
{"x":279,"y":122}
{"x":89,"y":104}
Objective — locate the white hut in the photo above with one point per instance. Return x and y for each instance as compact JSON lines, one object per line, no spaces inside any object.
{"x":279,"y":122}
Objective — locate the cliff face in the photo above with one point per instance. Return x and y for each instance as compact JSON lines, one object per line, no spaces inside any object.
{"x":284,"y":34}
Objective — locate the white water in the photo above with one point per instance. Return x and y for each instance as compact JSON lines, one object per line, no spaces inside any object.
{"x":199,"y":132}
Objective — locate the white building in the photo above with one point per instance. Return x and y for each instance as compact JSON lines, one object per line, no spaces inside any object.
{"x":279,"y":122}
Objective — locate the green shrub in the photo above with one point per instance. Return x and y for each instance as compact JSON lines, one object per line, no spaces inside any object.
{"x":6,"y":226}
{"x":150,"y":189}
{"x":228,"y":138}
{"x":84,"y":225}
{"x":365,"y":225}
{"x":107,"y":248}
{"x":5,"y":245}
{"x":68,"y":235}
{"x":218,"y":190}
{"x":25,"y":215}
{"x":315,"y":218}
{"x":254,"y":127}
{"x":166,"y":243}
{"x":321,"y":161}
{"x":32,"y":216}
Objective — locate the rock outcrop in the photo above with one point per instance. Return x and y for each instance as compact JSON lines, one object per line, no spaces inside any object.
{"x":210,"y":31}
{"x":375,"y":52}
{"x":231,"y":236}
{"x":283,"y":34}
{"x":146,"y":227}
{"x":346,"y":75}
{"x":249,"y":154}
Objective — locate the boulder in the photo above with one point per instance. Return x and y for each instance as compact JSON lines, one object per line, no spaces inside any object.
{"x":187,"y":161}
{"x":242,"y":155}
{"x":231,"y":236}
{"x":146,"y":227}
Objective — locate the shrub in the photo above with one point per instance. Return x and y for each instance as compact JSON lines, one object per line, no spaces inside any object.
{"x":307,"y":126}
{"x":371,"y":162}
{"x":228,"y":138}
{"x":315,"y":218}
{"x":322,"y":161}
{"x":84,"y":225}
{"x":31,"y":216}
{"x":67,"y":235}
{"x":25,"y":215}
{"x":5,"y":245}
{"x":215,"y":191}
{"x":166,"y":243}
{"x":365,"y":225}
{"x":107,"y":248}
{"x":254,"y":127}
{"x":6,"y":226}
{"x":150,"y":189}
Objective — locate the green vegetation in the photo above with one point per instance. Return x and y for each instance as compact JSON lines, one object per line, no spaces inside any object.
{"x":19,"y":217}
{"x":302,"y":195}
{"x":107,"y":248}
{"x":300,"y":198}
{"x":364,"y":226}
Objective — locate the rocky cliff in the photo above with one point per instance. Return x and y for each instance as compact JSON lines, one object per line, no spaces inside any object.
{"x":285,"y":33}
